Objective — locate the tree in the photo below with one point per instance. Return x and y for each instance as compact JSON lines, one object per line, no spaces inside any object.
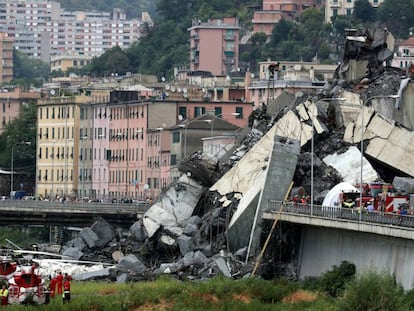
{"x":27,"y":71}
{"x":280,"y":31}
{"x":22,"y":128}
{"x":364,"y":11}
{"x":373,"y":291}
{"x":397,"y":16}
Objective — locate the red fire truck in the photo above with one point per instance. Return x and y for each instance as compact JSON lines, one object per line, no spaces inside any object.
{"x":381,"y":195}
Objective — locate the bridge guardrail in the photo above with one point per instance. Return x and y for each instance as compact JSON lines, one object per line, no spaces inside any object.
{"x":86,"y":206}
{"x":405,"y":221}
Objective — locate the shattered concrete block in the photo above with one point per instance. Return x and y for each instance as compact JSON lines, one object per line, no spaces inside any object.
{"x":137,"y":231}
{"x":77,"y":243}
{"x":131,"y":263}
{"x":89,"y":237}
{"x":194,"y":258}
{"x":222,"y":266}
{"x":185,"y":244}
{"x":72,"y":253}
{"x":168,"y":268}
{"x":104,"y":231}
{"x":92,"y":274}
{"x":122,"y":278}
{"x":196,"y":220}
{"x":167,"y":240}
{"x":190,"y":229}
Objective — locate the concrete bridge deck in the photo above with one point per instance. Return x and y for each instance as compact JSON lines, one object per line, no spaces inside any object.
{"x":387,"y":224}
{"x":33,"y":212}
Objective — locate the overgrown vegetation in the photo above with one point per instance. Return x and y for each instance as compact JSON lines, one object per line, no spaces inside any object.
{"x":368,"y":291}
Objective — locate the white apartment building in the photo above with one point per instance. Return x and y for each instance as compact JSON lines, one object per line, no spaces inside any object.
{"x":42,"y":29}
{"x":343,"y":7}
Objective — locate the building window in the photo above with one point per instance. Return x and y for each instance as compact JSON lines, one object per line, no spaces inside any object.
{"x":173,"y":159}
{"x":218,"y":111}
{"x":198,"y":111}
{"x":239,"y":112}
{"x":176,"y":137}
{"x":348,"y":12}
{"x":183,"y":112}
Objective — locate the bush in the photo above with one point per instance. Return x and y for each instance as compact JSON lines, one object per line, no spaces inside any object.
{"x":334,"y":281}
{"x":373,"y":291}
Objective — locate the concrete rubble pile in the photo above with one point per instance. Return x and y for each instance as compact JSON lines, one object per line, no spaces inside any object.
{"x":208,"y":223}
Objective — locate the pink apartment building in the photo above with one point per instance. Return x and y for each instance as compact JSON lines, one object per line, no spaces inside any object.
{"x":274,"y":10}
{"x":214,"y":45}
{"x":133,"y":155}
{"x":12,"y":102}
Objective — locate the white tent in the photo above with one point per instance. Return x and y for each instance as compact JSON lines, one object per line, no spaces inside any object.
{"x":332,"y":199}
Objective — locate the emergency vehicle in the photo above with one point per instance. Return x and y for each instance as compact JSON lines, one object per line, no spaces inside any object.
{"x":27,"y":287}
{"x":381,"y":195}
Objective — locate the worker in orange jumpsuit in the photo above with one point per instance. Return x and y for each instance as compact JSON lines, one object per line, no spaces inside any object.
{"x":59,"y":282}
{"x":52,"y":286}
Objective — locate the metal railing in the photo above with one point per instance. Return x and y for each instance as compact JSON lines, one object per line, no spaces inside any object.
{"x":377,"y":217}
{"x":87,"y":206}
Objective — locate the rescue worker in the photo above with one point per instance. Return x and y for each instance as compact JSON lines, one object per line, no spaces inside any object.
{"x":52,"y":286}
{"x":59,"y":280}
{"x":4,"y":295}
{"x":66,"y":288}
{"x":348,"y":203}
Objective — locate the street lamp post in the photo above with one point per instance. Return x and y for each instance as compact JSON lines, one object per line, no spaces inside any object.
{"x":185,"y":132}
{"x":12,"y":164}
{"x":361,"y":188}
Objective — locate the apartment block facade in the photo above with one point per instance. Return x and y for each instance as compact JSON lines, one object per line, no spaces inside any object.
{"x":214,"y":46}
{"x":41,"y":29}
{"x":343,"y":7}
{"x":6,"y":57}
{"x":274,"y":10}
{"x":118,"y":147}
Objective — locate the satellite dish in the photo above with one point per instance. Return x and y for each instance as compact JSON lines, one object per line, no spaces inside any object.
{"x":179,"y":90}
{"x":252,"y":75}
{"x":146,"y":187}
{"x":185,"y":90}
{"x":52,"y":92}
{"x":228,"y":78}
{"x":204,"y":90}
{"x":163,"y":79}
{"x":180,"y":117}
{"x":167,"y":94}
{"x":172,"y":89}
{"x":167,"y":87}
{"x":185,"y":95}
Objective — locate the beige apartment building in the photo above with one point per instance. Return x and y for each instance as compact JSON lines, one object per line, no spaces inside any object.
{"x":58,"y":146}
{"x":343,"y":7}
{"x":67,"y":61}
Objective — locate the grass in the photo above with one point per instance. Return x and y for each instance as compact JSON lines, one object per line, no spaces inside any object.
{"x":165,"y":293}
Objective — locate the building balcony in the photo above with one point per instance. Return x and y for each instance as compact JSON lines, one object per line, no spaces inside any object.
{"x":196,"y":60}
{"x":230,"y":37}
